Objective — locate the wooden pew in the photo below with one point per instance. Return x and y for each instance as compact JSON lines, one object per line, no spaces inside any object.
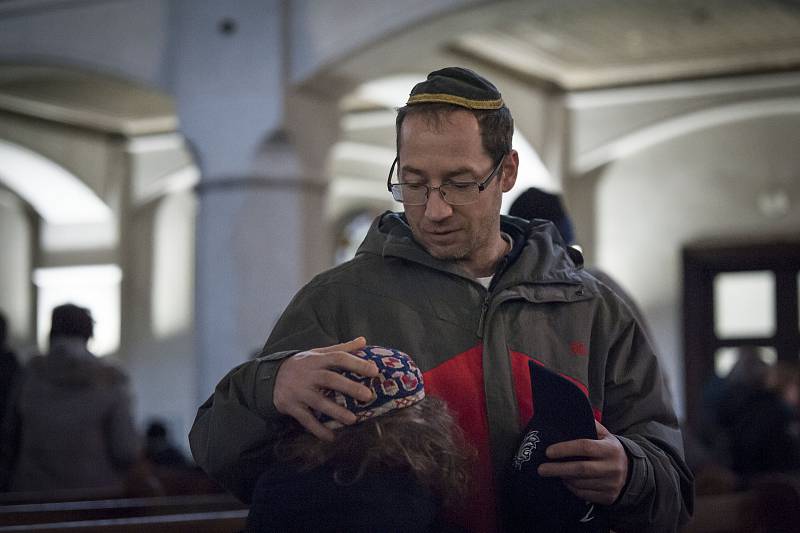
{"x":721,"y":513}
{"x":777,"y":504}
{"x":51,"y":512}
{"x":71,"y":495}
{"x":771,"y":505}
{"x":206,"y":522}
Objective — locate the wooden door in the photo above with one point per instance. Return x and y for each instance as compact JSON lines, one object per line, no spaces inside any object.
{"x":768,"y":272}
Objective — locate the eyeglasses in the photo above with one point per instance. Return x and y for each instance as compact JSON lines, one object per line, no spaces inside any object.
{"x":454,"y":193}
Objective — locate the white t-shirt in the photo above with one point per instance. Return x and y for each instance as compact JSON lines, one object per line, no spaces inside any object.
{"x":486,"y":281}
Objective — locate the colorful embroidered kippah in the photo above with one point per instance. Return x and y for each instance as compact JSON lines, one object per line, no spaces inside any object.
{"x":458,"y":86}
{"x":398,"y":385}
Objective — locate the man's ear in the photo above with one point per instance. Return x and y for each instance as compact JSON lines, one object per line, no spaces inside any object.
{"x":509,"y":172}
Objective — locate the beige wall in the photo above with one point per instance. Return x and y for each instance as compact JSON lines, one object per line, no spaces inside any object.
{"x":16,"y":259}
{"x":158,"y":312}
{"x":705,"y":184}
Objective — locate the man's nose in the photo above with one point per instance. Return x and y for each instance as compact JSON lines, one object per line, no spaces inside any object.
{"x":436,"y":208}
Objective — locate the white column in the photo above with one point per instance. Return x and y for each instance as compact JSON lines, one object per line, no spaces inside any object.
{"x":226,"y":72}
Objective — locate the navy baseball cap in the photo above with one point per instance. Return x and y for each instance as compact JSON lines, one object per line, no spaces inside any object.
{"x":561,"y":413}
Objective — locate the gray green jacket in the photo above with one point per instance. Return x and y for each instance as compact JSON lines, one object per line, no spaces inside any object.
{"x":473,"y":346}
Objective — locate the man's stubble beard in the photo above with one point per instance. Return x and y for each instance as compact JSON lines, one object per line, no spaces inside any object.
{"x":466,"y":250}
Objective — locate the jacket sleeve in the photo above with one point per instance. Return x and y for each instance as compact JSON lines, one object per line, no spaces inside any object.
{"x":233,"y":432}
{"x":659,"y":494}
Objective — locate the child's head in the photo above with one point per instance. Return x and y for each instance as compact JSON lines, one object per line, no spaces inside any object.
{"x":400,"y":429}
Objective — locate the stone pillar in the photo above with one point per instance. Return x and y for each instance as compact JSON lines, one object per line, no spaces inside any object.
{"x":257,"y":200}
{"x":580,"y":193}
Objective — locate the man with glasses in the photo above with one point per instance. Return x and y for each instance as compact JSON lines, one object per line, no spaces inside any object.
{"x":473,"y":297}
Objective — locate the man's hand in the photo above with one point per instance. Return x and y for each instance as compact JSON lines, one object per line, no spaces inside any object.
{"x":599,"y":469}
{"x":301,"y":378}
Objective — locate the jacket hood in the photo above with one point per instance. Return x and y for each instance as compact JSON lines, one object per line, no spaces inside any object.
{"x":539,"y":254}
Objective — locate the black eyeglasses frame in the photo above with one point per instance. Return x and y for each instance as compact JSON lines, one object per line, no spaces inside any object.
{"x":481,"y":184}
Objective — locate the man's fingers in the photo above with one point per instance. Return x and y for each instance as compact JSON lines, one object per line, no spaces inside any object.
{"x":574,"y":448}
{"x":302,"y":379}
{"x":337,"y":382}
{"x":349,"y":346}
{"x":307,"y":419}
{"x":351,"y":363}
{"x":571,"y":469}
{"x":321,"y":404}
{"x":595,"y":470}
{"x":602,"y":432}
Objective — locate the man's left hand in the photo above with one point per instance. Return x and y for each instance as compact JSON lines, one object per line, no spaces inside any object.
{"x":593,"y":470}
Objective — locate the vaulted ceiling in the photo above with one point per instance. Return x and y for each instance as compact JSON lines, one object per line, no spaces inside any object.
{"x":580,"y":44}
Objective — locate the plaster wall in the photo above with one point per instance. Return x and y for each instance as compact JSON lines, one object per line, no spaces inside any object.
{"x":16,"y":259}
{"x":704,"y":184}
{"x":249,"y":265}
{"x":158,"y":334}
{"x":228,"y":85}
{"x":600,"y":117}
{"x":83,"y":152}
{"x":122,"y":37}
{"x":323,"y":33}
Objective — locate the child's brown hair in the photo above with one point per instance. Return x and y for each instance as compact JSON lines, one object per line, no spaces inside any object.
{"x":422,"y":439}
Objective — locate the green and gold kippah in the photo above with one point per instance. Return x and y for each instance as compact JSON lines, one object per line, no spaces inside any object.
{"x":457,"y":86}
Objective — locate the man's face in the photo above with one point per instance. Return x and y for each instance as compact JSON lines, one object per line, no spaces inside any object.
{"x":452,"y":151}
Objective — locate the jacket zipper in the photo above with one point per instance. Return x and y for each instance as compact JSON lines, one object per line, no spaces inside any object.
{"x":484,"y":309}
{"x":499,"y":271}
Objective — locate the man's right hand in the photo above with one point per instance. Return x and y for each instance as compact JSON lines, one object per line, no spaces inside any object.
{"x":302,"y":378}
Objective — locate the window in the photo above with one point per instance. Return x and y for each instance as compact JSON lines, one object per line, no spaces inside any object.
{"x":744,"y":304}
{"x":96,"y":287}
{"x":726,"y":358}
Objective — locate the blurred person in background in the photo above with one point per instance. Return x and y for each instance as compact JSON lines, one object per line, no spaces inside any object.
{"x":159,"y":448}
{"x":9,"y":368}
{"x":538,"y":204}
{"x":758,"y":415}
{"x":72,"y":412}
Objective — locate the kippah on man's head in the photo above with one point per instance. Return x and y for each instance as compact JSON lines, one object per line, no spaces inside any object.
{"x":457,"y":86}
{"x":398,"y":385}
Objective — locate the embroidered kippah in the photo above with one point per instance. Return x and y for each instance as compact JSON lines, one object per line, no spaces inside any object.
{"x":398,"y":385}
{"x":458,"y":86}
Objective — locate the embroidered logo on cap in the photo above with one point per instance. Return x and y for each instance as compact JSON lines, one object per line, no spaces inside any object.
{"x":526,"y":448}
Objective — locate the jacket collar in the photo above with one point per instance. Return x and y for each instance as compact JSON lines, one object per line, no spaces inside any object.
{"x":539,"y":255}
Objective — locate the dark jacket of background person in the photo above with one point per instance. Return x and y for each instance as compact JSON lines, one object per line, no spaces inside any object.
{"x":535,"y":204}
{"x":8,"y":371}
{"x":757,"y":412}
{"x":761,"y":430}
{"x":76,"y":424}
{"x":8,"y":368}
